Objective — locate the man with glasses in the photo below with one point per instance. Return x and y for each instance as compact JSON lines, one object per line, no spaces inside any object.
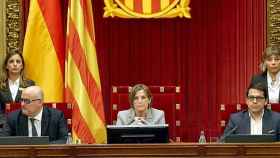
{"x":256,"y":120}
{"x":34,"y":119}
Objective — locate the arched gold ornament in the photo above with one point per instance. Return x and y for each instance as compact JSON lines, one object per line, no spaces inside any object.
{"x":147,"y":8}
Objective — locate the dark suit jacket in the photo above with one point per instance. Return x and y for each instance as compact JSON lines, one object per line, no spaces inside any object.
{"x":53,"y":125}
{"x":241,"y":121}
{"x":6,"y":96}
{"x":261,"y":78}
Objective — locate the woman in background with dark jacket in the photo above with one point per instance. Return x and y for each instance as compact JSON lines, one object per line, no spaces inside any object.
{"x":270,"y":75}
{"x":12,"y":80}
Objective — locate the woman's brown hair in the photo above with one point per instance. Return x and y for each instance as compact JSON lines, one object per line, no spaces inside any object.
{"x":5,"y":74}
{"x":139,"y":87}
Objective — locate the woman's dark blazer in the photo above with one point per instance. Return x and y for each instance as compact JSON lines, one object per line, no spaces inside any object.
{"x":6,"y":95}
{"x":261,"y":78}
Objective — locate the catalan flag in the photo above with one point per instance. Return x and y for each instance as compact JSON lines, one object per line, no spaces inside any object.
{"x":83,"y":87}
{"x":44,"y":48}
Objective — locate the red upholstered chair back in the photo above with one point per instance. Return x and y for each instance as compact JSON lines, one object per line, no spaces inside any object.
{"x":66,"y":108}
{"x":274,"y":107}
{"x":166,"y":98}
{"x":227,"y":109}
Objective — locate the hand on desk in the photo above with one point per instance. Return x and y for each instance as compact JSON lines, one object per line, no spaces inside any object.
{"x":140,"y":121}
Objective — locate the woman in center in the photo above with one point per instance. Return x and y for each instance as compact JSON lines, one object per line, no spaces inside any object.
{"x":140,"y":112}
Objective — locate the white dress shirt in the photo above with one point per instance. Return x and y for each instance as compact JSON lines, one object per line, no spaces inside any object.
{"x":37,"y":124}
{"x":273,"y":88}
{"x":14,"y":86}
{"x":256,"y":125}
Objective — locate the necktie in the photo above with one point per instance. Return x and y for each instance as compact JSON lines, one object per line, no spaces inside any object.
{"x":34,"y":131}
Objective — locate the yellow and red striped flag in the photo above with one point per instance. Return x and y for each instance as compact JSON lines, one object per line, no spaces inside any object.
{"x":44,"y":48}
{"x":83,"y":87}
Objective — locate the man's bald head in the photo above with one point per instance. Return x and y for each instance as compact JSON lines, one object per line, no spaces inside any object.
{"x":34,"y":91}
{"x":32,"y":100}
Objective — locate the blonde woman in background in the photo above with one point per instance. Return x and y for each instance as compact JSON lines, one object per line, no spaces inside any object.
{"x":270,"y":75}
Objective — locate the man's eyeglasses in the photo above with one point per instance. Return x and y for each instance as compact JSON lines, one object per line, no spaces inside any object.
{"x":257,"y":98}
{"x":27,"y":101}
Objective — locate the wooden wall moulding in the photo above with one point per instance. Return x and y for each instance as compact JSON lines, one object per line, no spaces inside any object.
{"x":273,"y":22}
{"x":183,"y":150}
{"x":13,"y":26}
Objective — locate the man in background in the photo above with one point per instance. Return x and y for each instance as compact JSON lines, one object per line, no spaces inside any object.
{"x":256,"y":119}
{"x":34,"y":119}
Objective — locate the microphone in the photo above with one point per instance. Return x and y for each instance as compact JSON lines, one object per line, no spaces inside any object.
{"x":271,"y":132}
{"x":222,"y":139}
{"x":274,"y":133}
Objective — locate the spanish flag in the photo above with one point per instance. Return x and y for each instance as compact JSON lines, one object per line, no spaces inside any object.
{"x":44,"y":48}
{"x":83,"y":88}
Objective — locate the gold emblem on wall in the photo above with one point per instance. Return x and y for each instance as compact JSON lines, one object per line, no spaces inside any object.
{"x":147,"y":8}
{"x":13,"y":26}
{"x":273,"y":22}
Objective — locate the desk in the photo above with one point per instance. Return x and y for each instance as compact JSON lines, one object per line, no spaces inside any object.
{"x":144,"y":150}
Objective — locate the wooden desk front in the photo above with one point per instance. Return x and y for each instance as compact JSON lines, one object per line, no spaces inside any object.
{"x":144,"y":150}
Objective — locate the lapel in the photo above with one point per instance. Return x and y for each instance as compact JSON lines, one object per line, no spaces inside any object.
{"x":22,"y":129}
{"x":7,"y":93}
{"x":245,"y":123}
{"x":266,"y":83}
{"x":278,"y":97}
{"x":18,"y":96}
{"x":19,"y":91}
{"x":149,"y":117}
{"x":45,"y":122}
{"x":266,"y":122}
{"x":131,"y":115}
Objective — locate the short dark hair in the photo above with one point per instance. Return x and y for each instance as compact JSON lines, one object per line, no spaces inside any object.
{"x":258,"y":86}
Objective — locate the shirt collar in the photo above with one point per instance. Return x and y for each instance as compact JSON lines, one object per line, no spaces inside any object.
{"x":269,"y":79}
{"x":39,"y":115}
{"x":261,"y":114}
{"x":11,"y":82}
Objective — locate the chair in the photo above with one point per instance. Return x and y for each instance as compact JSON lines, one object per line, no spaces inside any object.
{"x":274,"y":107}
{"x":166,"y":98}
{"x":66,"y":108}
{"x":225,"y":111}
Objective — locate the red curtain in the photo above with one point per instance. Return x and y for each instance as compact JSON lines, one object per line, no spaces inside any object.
{"x":211,"y":56}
